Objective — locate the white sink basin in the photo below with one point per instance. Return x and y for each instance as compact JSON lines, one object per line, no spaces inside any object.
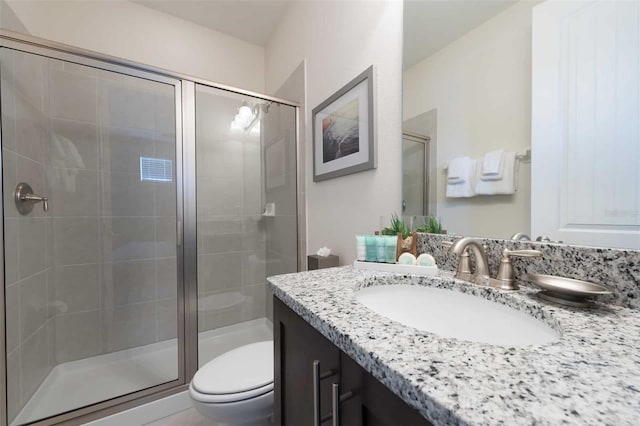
{"x":453,"y":314}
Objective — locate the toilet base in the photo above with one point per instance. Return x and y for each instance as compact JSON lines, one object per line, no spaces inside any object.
{"x":253,"y":412}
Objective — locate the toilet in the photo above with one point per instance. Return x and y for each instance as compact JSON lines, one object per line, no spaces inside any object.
{"x":236,"y":388}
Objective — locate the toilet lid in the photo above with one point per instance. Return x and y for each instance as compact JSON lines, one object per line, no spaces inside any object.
{"x":240,"y":370}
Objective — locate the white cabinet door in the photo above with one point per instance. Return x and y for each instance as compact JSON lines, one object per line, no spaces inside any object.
{"x":586,"y":122}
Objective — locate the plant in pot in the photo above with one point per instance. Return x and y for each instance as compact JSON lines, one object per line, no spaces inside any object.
{"x":396,"y":227}
{"x":432,"y":226}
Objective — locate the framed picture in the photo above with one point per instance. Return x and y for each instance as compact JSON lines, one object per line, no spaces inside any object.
{"x":343,"y":141}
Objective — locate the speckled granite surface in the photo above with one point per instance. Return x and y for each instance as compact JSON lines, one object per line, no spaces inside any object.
{"x":591,"y":375}
{"x":616,"y":269}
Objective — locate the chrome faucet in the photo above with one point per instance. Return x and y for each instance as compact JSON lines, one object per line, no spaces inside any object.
{"x":520,"y":236}
{"x":505,"y":277}
{"x":475,"y":246}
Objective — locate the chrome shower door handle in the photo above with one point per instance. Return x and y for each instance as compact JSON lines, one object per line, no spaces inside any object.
{"x":25,"y":199}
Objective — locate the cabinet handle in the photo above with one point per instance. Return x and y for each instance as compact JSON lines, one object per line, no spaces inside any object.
{"x":335,"y":404}
{"x":316,"y":393}
{"x":336,"y":399}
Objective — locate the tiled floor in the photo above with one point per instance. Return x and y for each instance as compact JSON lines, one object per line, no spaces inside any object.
{"x":189,"y":417}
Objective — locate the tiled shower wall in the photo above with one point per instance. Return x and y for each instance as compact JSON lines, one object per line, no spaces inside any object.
{"x":231,"y":228}
{"x":29,"y":263}
{"x":97,"y":273}
{"x":280,"y":184}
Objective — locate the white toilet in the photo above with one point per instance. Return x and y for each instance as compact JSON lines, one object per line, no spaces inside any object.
{"x":236,"y":388}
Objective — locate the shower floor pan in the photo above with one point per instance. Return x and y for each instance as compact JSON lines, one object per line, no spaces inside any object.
{"x":79,"y":383}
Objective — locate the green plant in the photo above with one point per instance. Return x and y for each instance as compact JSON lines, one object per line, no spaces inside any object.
{"x":432,"y":225}
{"x":397,"y":225}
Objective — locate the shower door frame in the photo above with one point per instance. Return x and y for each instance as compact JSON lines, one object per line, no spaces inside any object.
{"x":185,"y":220}
{"x":102,"y":408}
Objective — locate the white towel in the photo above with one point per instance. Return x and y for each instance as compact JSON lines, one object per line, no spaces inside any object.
{"x":458,"y":170}
{"x":493,"y":165}
{"x":509,"y":182}
{"x":466,"y":186}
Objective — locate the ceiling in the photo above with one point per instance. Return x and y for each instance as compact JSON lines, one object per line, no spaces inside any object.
{"x":249,"y":20}
{"x":429,"y":25}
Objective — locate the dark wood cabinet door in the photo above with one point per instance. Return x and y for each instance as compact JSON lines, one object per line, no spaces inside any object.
{"x":297,"y":346}
{"x":372,"y":403}
{"x":366,"y":401}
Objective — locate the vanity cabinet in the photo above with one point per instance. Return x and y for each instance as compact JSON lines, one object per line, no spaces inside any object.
{"x":314,"y":379}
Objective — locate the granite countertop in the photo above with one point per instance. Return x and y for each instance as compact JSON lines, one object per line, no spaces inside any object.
{"x":591,"y":375}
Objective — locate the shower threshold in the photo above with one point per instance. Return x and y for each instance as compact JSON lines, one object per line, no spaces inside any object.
{"x":76,"y":384}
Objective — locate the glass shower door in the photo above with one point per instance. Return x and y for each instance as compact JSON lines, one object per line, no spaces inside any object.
{"x":90,"y":184}
{"x":246,"y":214}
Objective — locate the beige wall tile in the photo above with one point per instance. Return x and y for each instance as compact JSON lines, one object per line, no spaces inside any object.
{"x":7,"y":102}
{"x":128,"y":238}
{"x":72,"y":96}
{"x":34,"y":364}
{"x":33,"y":305}
{"x":253,"y":232}
{"x":73,"y":192}
{"x":31,"y":130}
{"x":77,"y":336}
{"x":128,"y":326}
{"x":76,"y":288}
{"x":73,"y":144}
{"x":167,"y":319}
{"x":14,"y":390}
{"x":30,"y":79}
{"x":166,"y":198}
{"x":126,"y":195}
{"x":254,"y":302}
{"x":219,"y":197}
{"x":218,"y":272}
{"x":223,"y":317}
{"x":124,"y":283}
{"x":12,"y":312}
{"x":165,"y":112}
{"x":75,"y":240}
{"x":12,"y":267}
{"x":255,"y":267}
{"x":122,"y":149}
{"x":167,"y":275}
{"x":125,"y":106}
{"x":9,"y":176}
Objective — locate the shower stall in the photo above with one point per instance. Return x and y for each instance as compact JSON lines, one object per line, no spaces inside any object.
{"x":142,"y":212}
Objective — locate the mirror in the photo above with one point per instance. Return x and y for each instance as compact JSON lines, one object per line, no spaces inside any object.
{"x":553,"y":86}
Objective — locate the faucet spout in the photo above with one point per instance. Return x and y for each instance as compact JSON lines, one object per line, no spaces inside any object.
{"x":475,"y":246}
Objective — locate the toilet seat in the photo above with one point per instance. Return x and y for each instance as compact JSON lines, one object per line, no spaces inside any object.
{"x":240,"y":374}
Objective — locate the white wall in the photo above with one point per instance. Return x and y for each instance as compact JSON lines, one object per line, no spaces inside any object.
{"x":134,"y":32}
{"x":481,"y":87}
{"x":339,"y":40}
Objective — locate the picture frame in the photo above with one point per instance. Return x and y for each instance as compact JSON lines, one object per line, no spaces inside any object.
{"x":343,"y":131}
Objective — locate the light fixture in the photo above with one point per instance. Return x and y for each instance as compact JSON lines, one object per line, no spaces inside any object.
{"x":245,"y":118}
{"x":245,"y":111}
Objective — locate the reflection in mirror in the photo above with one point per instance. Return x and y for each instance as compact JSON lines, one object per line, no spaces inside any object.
{"x":415,"y":174}
{"x":474,"y":86}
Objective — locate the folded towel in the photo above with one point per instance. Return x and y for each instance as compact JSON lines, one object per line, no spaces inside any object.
{"x":466,"y":186}
{"x":458,"y":170}
{"x":509,"y":182}
{"x":493,"y":165}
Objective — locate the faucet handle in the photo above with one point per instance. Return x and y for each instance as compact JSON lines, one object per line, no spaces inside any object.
{"x":505,"y":272}
{"x":521,"y":253}
{"x":447,"y":244}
